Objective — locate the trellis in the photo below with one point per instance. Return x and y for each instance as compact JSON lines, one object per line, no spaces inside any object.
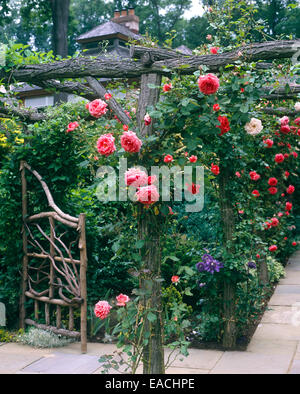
{"x":150,"y":64}
{"x":51,"y":274}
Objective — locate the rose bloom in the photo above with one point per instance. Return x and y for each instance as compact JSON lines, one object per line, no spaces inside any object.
{"x":209,"y":37}
{"x":168,"y":159}
{"x":106,"y":144}
{"x":274,"y":222}
{"x":238,"y":174}
{"x":167,"y":87}
{"x":208,"y":84}
{"x":294,"y":243}
{"x":130,"y":142}
{"x":125,"y":127}
{"x":284,"y":121}
{"x":256,"y":193}
{"x":175,"y":279}
{"x":122,"y":299}
{"x":214,"y":50}
{"x":224,"y":124}
{"x":193,"y":159}
{"x":136,"y":177}
{"x":170,"y":211}
{"x":285,"y":129}
{"x":268,"y":142}
{"x":273,"y":190}
{"x":273,"y":248}
{"x":147,"y":119}
{"x":242,"y":90}
{"x":288,"y":206}
{"x":254,"y":127}
{"x":102,"y":309}
{"x":279,"y":158}
{"x":193,"y":188}
{"x":297,"y":106}
{"x":147,"y":195}
{"x":295,"y":154}
{"x":286,"y":155}
{"x":254,"y":175}
{"x":272,"y":181}
{"x":107,"y":96}
{"x":216,"y":107}
{"x":97,"y":108}
{"x":215,"y":169}
{"x":297,"y":122}
{"x":151,"y":179}
{"x":290,"y":189}
{"x":72,"y":126}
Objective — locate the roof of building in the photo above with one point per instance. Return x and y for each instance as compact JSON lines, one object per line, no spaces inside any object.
{"x":107,"y":30}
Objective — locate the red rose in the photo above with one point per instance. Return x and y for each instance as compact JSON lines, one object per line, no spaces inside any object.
{"x":193,"y":188}
{"x":285,"y":129}
{"x":288,"y":206}
{"x":268,"y":142}
{"x":238,"y":174}
{"x":214,"y":50}
{"x":294,"y":243}
{"x":256,"y":193}
{"x":272,"y":181}
{"x":193,"y":159}
{"x":168,"y":159}
{"x":254,"y":175}
{"x":167,"y":87}
{"x":216,"y":107}
{"x":175,"y":279}
{"x":242,"y":90}
{"x":224,"y":124}
{"x":279,"y":158}
{"x":274,"y":222}
{"x":215,"y":169}
{"x":273,"y":248}
{"x":273,"y":190}
{"x":125,"y":127}
{"x":295,"y":154}
{"x":209,"y":84}
{"x":107,"y":96}
{"x":290,"y":189}
{"x":287,"y":174}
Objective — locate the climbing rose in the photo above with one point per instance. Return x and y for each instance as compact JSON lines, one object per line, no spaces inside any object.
{"x":254,"y":175}
{"x":294,"y":243}
{"x":284,"y":121}
{"x":297,"y":106}
{"x":107,"y":96}
{"x":102,"y":309}
{"x":268,"y":142}
{"x":224,"y":124}
{"x":167,"y":87}
{"x":279,"y":158}
{"x":72,"y":126}
{"x":287,"y":174}
{"x":209,"y":84}
{"x":147,"y":195}
{"x":254,"y":127}
{"x":256,"y":193}
{"x":97,"y":108}
{"x":273,"y":190}
{"x":175,"y":279}
{"x":193,"y":188}
{"x":106,"y":144}
{"x":272,"y":181}
{"x":290,"y":189}
{"x":193,"y":159}
{"x":285,"y":129}
{"x":214,"y":50}
{"x":238,"y":174}
{"x":130,"y":142}
{"x":136,"y":177}
{"x":151,"y":179}
{"x":168,"y":159}
{"x":125,"y":127}
{"x":215,"y":169}
{"x":274,"y":222}
{"x":288,"y":206}
{"x":147,"y":119}
{"x":209,"y":37}
{"x":216,"y":107}
{"x":273,"y":248}
{"x":295,"y":154}
{"x":122,"y":299}
{"x":297,"y":121}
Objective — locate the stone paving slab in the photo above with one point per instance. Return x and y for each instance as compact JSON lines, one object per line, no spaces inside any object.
{"x":280,"y":332}
{"x":295,"y":369}
{"x":292,"y":278}
{"x":272,"y":347}
{"x":252,"y":363}
{"x":279,"y":314}
{"x":284,"y":299}
{"x":63,"y":363}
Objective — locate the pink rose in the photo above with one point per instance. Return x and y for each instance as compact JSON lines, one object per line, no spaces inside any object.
{"x":130,"y":142}
{"x":97,"y":108}
{"x":147,"y":195}
{"x":106,"y":144}
{"x":72,"y":126}
{"x":175,"y":279}
{"x":209,"y":84}
{"x":147,"y":119}
{"x":284,"y":121}
{"x":136,"y":177}
{"x":102,"y":309}
{"x":122,"y":299}
{"x":290,"y":189}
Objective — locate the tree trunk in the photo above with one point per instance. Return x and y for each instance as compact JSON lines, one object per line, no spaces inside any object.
{"x":60,"y":16}
{"x":149,"y":230}
{"x":227,"y":215}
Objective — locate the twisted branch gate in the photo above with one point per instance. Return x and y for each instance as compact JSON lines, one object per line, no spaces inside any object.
{"x":54,"y":265}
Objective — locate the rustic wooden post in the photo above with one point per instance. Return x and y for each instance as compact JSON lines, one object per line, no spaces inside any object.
{"x":149,"y":230}
{"x":227,"y":215}
{"x":83,"y":288}
{"x":52,"y":254}
{"x":263,"y":272}
{"x":25,"y":250}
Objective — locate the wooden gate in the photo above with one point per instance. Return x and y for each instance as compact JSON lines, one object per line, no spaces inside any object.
{"x":54,"y":266}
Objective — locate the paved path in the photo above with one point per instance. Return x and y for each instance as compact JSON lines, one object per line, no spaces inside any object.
{"x":274,"y":348}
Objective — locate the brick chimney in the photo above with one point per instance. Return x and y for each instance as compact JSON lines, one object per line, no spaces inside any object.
{"x":127,"y":18}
